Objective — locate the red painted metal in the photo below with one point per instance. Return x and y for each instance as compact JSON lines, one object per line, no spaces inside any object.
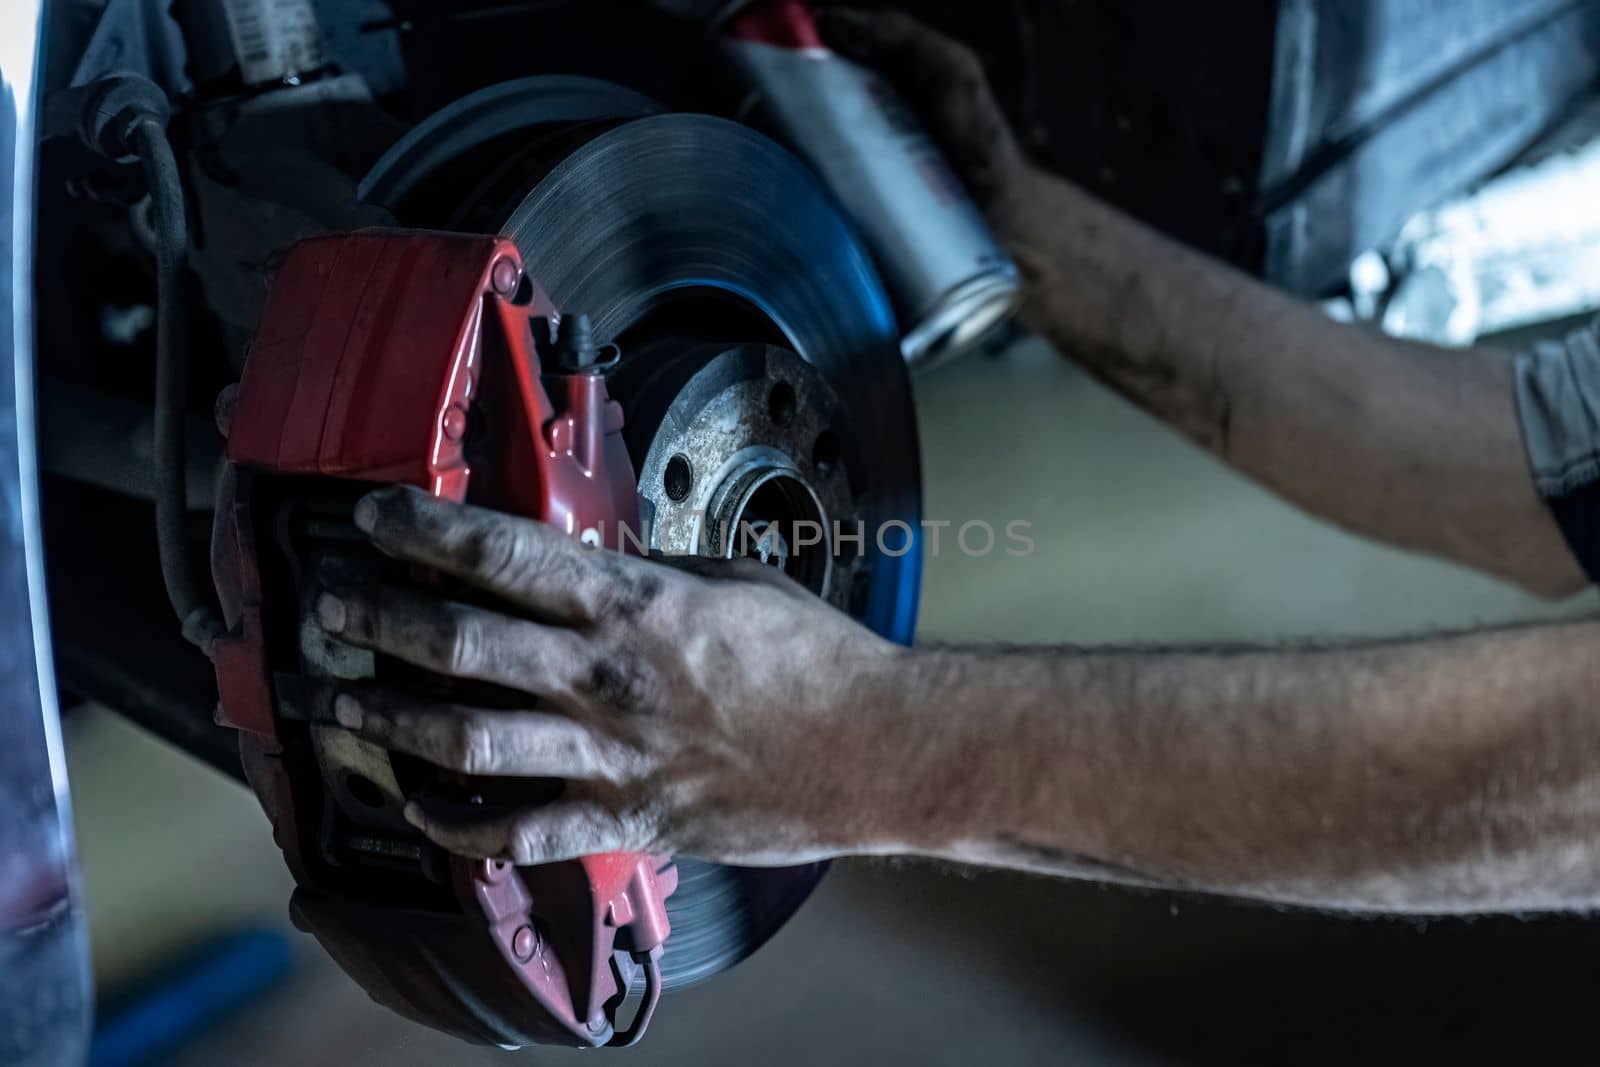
{"x":780,"y":23}
{"x":374,"y":347}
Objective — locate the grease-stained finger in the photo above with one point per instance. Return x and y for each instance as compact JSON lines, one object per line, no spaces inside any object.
{"x":897,"y":43}
{"x":477,"y":741}
{"x":457,"y":640}
{"x":563,"y":830}
{"x":530,"y":564}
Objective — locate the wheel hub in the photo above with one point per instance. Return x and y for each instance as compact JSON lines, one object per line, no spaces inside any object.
{"x":738,"y":462}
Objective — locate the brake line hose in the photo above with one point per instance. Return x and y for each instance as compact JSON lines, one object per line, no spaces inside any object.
{"x":148,"y":137}
{"x":122,"y":117}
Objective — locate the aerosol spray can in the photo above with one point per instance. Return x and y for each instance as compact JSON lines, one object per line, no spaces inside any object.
{"x":949,"y":276}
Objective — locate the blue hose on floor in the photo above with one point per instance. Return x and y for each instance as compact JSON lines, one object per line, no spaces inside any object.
{"x":187,"y":997}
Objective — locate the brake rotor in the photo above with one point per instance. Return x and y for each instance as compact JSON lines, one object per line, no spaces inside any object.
{"x":689,"y":230}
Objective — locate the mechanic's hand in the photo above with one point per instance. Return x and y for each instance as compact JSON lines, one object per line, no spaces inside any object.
{"x":724,"y":713}
{"x":944,"y":82}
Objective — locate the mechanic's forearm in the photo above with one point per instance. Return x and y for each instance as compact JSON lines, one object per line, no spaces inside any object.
{"x":1406,"y":443}
{"x":1447,"y":775}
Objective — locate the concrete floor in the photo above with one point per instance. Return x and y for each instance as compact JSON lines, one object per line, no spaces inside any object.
{"x":1141,"y":539}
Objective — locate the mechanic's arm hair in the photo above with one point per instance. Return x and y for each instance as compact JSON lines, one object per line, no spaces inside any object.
{"x":1449,"y":775}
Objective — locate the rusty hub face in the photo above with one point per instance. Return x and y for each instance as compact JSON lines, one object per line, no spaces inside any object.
{"x":739,"y":464}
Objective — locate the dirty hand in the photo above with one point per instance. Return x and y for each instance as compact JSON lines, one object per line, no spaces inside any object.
{"x":945,"y":84}
{"x":721,"y":711}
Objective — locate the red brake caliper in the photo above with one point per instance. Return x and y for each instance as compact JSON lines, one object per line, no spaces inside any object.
{"x":377,"y":352}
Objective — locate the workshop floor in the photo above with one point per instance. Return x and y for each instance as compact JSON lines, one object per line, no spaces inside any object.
{"x":1140,"y":540}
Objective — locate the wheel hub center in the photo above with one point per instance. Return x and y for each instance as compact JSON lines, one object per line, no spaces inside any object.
{"x":770,"y":512}
{"x":743,"y":462}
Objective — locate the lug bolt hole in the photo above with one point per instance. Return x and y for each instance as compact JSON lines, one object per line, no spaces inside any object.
{"x":825,"y":453}
{"x":679,"y":479}
{"x":782,"y":404}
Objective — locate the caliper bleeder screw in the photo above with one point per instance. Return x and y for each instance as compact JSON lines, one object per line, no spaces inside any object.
{"x":575,"y":350}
